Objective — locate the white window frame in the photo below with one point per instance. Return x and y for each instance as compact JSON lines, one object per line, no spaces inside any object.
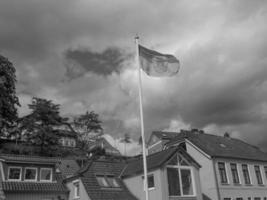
{"x":239,"y":180}
{"x":178,"y":167}
{"x":226,"y":172}
{"x":14,"y":167}
{"x":75,"y":196}
{"x":152,"y":188}
{"x":262,"y":179}
{"x":51,"y":177}
{"x":29,"y":180}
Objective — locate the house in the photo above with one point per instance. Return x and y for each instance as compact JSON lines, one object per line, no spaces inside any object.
{"x":99,"y":180}
{"x":231,"y":169}
{"x":172,"y":175}
{"x":102,"y":143}
{"x":67,"y":138}
{"x":30,"y":177}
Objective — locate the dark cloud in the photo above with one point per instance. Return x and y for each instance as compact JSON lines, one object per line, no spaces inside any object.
{"x":104,"y":63}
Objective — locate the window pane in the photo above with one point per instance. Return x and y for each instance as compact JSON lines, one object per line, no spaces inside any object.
{"x":173,"y":182}
{"x":46,"y":174}
{"x":222,"y":172}
{"x":112,"y":182}
{"x":102,"y":181}
{"x":234,"y":173}
{"x":258,"y":174}
{"x":173,"y":161}
{"x":246,"y":174}
{"x":14,"y":173}
{"x":150,"y":181}
{"x":265,"y":171}
{"x":30,"y":174}
{"x":187,"y":182}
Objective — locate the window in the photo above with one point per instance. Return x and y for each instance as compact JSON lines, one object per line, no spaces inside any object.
{"x":257,"y":198}
{"x":227,"y":198}
{"x":46,"y":174}
{"x":112,"y":181}
{"x":76,"y":185}
{"x":222,"y":172}
{"x":180,"y":178}
{"x":14,"y":173}
{"x":102,"y":181}
{"x":30,"y":174}
{"x":265,"y":171}
{"x":150,"y":181}
{"x":239,"y":198}
{"x":234,"y":173}
{"x":246,"y":174}
{"x":258,"y":175}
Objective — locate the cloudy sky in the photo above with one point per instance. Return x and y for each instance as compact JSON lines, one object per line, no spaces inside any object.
{"x":80,"y":54}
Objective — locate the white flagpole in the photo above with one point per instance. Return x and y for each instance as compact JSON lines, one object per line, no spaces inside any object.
{"x":141,"y":116}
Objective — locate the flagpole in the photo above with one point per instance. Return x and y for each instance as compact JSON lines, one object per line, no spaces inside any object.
{"x":141,"y":116}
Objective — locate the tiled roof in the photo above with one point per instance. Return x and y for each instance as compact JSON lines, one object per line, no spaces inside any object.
{"x":104,"y":167}
{"x":154,"y":161}
{"x":28,"y":159}
{"x":16,"y":186}
{"x":218,"y":146}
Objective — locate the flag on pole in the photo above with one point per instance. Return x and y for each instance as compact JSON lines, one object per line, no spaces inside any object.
{"x":157,"y":64}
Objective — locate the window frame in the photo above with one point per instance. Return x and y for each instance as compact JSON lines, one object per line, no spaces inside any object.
{"x":179,"y":168}
{"x":14,"y":167}
{"x":233,"y":170}
{"x":110,"y":179}
{"x":30,"y":180}
{"x":51,"y":177}
{"x":226,"y":174}
{"x":249,"y":177}
{"x":149,"y":188}
{"x":262,"y":183}
{"x":76,"y":196}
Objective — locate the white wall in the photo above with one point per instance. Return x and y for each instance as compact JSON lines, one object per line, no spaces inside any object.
{"x":83,"y":193}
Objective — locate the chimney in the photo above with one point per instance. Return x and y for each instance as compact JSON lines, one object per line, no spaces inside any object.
{"x":226,"y":135}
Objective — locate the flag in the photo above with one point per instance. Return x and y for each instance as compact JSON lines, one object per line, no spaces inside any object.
{"x":157,"y":64}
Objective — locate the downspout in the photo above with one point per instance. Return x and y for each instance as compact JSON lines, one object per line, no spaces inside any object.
{"x":216,"y":180}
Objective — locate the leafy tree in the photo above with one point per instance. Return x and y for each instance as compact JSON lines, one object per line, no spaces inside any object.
{"x":126,"y":140}
{"x":88,"y":126}
{"x":8,"y":98}
{"x":38,"y":126}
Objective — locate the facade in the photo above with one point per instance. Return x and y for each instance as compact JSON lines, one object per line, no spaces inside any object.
{"x":231,"y":168}
{"x":30,"y":178}
{"x":172,"y":175}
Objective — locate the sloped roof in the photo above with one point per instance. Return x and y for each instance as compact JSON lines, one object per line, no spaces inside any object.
{"x":219,"y":146}
{"x":68,"y":167}
{"x":103,"y":143}
{"x":28,"y":159}
{"x":104,"y":166}
{"x":155,"y":161}
{"x":16,"y":186}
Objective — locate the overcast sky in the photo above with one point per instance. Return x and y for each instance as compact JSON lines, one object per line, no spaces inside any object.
{"x":80,"y":54}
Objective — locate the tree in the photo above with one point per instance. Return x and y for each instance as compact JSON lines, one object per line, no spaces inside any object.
{"x":88,"y":126}
{"x":38,"y":126}
{"x":126,"y":140}
{"x":8,"y":98}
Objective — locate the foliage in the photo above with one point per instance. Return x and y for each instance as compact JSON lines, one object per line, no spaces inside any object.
{"x":88,"y":125}
{"x":38,"y":127}
{"x":8,"y":98}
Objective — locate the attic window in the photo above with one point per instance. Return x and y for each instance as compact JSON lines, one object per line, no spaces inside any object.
{"x":107,"y":181}
{"x":222,"y":145}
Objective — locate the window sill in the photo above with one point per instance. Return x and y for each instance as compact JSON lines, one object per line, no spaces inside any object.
{"x":152,"y":188}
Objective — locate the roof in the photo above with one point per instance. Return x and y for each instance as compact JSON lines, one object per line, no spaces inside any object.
{"x":103,"y":166}
{"x":16,"y":186}
{"x":219,"y":146}
{"x":103,"y":143}
{"x":155,"y":161}
{"x":28,"y":159}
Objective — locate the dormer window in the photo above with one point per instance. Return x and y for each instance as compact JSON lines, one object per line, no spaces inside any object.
{"x":46,"y":174}
{"x":30,"y":174}
{"x":108,"y":181}
{"x":14,"y":173}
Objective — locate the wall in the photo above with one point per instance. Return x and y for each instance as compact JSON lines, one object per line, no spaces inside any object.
{"x":83,"y":193}
{"x":135,"y":185}
{"x":35,"y":196}
{"x":206,"y":172}
{"x":242,"y":190}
